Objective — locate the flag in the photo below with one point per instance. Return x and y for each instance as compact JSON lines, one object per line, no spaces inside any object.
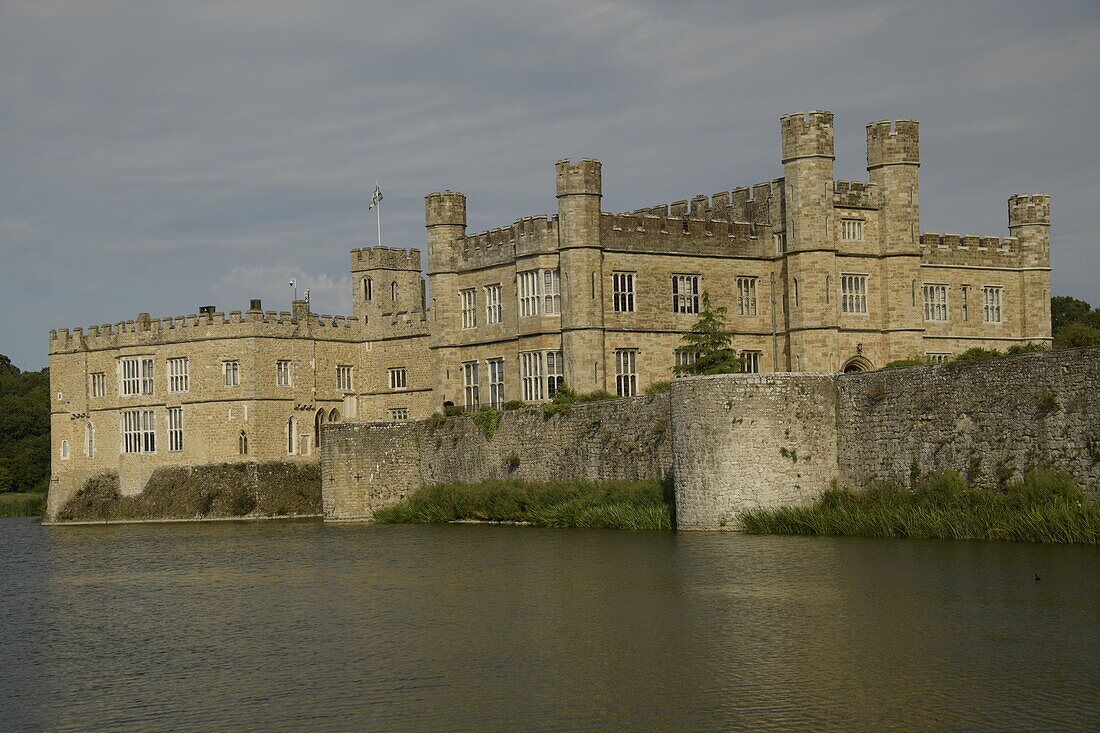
{"x":375,"y":198}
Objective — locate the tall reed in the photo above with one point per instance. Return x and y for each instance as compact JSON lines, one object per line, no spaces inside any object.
{"x":22,"y":505}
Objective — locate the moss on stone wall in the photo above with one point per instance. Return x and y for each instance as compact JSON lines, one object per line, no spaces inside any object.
{"x":203,"y":492}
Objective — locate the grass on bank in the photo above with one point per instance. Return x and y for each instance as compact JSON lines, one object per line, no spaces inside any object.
{"x":22,"y":504}
{"x":594,"y":505}
{"x":1046,"y":506}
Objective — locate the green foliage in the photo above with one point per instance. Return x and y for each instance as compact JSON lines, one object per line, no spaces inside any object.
{"x":24,"y":427}
{"x":597,"y":505}
{"x":436,"y":420}
{"x":514,"y":405}
{"x":911,"y":361}
{"x":564,"y":397}
{"x":512,"y":462}
{"x":710,"y":341}
{"x":1046,"y":506}
{"x":7,"y":483}
{"x":977,"y":352}
{"x":453,"y":410}
{"x":659,"y":387}
{"x":22,"y":505}
{"x":487,"y":418}
{"x":1075,"y":335}
{"x":1074,"y":323}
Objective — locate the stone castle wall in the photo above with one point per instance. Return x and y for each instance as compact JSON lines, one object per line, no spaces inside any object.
{"x":365,"y":466}
{"x":736,"y":442}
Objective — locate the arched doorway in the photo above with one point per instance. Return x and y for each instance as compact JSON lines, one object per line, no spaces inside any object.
{"x":857,"y":364}
{"x":334,"y":416}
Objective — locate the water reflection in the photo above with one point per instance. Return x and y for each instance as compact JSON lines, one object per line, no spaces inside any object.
{"x":292,"y":625}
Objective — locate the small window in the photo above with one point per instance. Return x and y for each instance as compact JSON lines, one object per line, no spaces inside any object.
{"x":99,"y":384}
{"x":178,"y":380}
{"x":938,"y":357}
{"x":492,"y":304}
{"x":175,"y":428}
{"x":626,"y":377}
{"x":292,"y":436}
{"x":964,"y":297}
{"x":399,"y":414}
{"x":470,"y":384}
{"x":393,"y":290}
{"x":622,"y":289}
{"x":242,"y":443}
{"x":685,"y":293}
{"x":746,"y":296}
{"x":853,"y":293}
{"x":399,"y":378}
{"x":750,"y":362}
{"x":555,"y":372}
{"x":991,"y":302}
{"x":64,"y":450}
{"x":368,"y":289}
{"x":780,"y":242}
{"x":232,"y":372}
{"x":935,"y":302}
{"x":496,"y":383}
{"x":282,"y":373}
{"x":345,"y":378}
{"x":89,"y":440}
{"x":469,"y":307}
{"x":851,"y":230}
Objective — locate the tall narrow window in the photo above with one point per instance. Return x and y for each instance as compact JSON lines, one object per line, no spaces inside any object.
{"x":178,"y":380}
{"x":393,"y":290}
{"x":175,"y":428}
{"x":345,"y":378}
{"x":469,"y":307}
{"x":368,"y":289}
{"x":746,"y":296}
{"x":492,"y":304}
{"x":470,"y":384}
{"x":555,"y":372}
{"x":965,"y":301}
{"x":626,"y":377}
{"x":991,"y":300}
{"x":282,"y":373}
{"x":147,"y":376}
{"x":851,"y":230}
{"x":242,"y":443}
{"x":750,"y":361}
{"x":496,"y":383}
{"x":685,"y":293}
{"x":622,"y":289}
{"x":531,"y":375}
{"x":853,"y":293}
{"x":232,"y":371}
{"x":935,"y":302}
{"x":399,"y":378}
{"x":780,"y":242}
{"x":551,"y":281}
{"x":64,"y":450}
{"x":292,"y":436}
{"x":89,"y":440}
{"x":794,"y":282}
{"x":527,"y":287}
{"x":99,"y":384}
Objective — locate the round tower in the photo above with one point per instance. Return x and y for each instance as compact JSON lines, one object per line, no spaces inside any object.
{"x":445,"y":219}
{"x":893,"y":157}
{"x":1029,"y":222}
{"x":580,"y":259}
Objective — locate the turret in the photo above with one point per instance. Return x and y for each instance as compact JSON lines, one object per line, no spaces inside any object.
{"x":385,"y":280}
{"x":1029,"y":221}
{"x":808,"y":174}
{"x":445,"y":219}
{"x":893,"y":157}
{"x":579,"y":188}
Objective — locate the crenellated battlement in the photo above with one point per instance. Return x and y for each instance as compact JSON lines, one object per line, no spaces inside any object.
{"x":581,"y":178}
{"x":385,"y":258}
{"x":893,"y":142}
{"x":236,"y":324}
{"x":677,"y":235}
{"x":1026,"y":209}
{"x":856,"y":195}
{"x":445,"y":209}
{"x":807,"y":135}
{"x":741,"y":204}
{"x":969,"y":249}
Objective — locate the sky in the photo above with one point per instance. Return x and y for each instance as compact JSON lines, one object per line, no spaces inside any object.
{"x":159,"y":156}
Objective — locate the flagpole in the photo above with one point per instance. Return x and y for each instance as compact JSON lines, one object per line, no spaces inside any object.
{"x":378,"y":214}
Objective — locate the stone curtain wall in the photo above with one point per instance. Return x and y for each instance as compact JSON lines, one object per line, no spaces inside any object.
{"x":989,"y":420}
{"x":366,"y":466}
{"x":740,"y":441}
{"x":751,"y":440}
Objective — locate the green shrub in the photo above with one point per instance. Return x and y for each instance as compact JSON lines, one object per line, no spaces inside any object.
{"x":977,"y":352}
{"x":911,"y":361}
{"x":453,"y":410}
{"x":659,"y":387}
{"x":487,"y":418}
{"x":514,"y":405}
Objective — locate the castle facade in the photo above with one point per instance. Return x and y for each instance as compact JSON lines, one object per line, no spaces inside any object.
{"x":817,"y":275}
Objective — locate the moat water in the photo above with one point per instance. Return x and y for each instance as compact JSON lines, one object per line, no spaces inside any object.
{"x":300,"y":625}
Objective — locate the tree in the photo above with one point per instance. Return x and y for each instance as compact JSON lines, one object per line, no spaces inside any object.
{"x":24,"y":427}
{"x":709,"y":341}
{"x":1065,"y":310}
{"x":1076,"y":334}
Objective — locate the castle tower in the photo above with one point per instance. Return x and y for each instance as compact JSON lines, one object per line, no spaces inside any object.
{"x":811,"y":249}
{"x":385,"y":280}
{"x":1029,"y":222}
{"x":893,"y":158}
{"x":579,"y":190}
{"x":445,"y":220}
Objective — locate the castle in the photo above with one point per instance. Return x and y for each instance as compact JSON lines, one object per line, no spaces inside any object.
{"x":817,"y":274}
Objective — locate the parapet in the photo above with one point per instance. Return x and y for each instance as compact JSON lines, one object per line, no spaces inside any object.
{"x":445,"y":209}
{"x":385,"y":258}
{"x":753,"y":205}
{"x":893,"y":142}
{"x":581,"y":178}
{"x":856,"y":195}
{"x":1028,"y":209}
{"x":807,"y":136}
{"x":969,"y":250}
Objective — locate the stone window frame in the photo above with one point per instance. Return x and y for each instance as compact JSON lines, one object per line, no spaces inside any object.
{"x":175,"y":429}
{"x":283,"y":375}
{"x":684,"y":358}
{"x":496,"y":382}
{"x":471,"y":384}
{"x":98,"y":384}
{"x":750,"y":361}
{"x":531,"y":375}
{"x":555,"y":371}
{"x":685,"y":293}
{"x":179,"y":378}
{"x":345,"y":378}
{"x":64,"y":450}
{"x":293,"y":441}
{"x":468,"y":307}
{"x":934,"y":297}
{"x":993,"y":303}
{"x":399,"y":414}
{"x":626,"y":372}
{"x":964,"y":301}
{"x":231,"y":372}
{"x":551,"y":291}
{"x":89,"y":439}
{"x":851,"y":229}
{"x":938,"y":357}
{"x":135,"y":375}
{"x":746,"y":295}
{"x":528,"y":292}
{"x":494,"y":312}
{"x":623,"y":292}
{"x":853,"y":293}
{"x":139,"y":431}
{"x":399,"y":377}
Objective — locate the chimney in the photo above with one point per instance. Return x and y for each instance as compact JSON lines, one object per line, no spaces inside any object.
{"x":207,"y":310}
{"x":254,"y":305}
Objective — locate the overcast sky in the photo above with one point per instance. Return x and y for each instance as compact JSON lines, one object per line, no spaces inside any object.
{"x":159,"y":156}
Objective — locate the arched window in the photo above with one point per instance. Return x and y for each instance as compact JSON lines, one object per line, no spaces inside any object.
{"x":393,"y":290}
{"x":334,"y":416}
{"x":89,"y":440}
{"x":368,"y":289}
{"x":318,"y":421}
{"x":64,"y":450}
{"x":242,"y":443}
{"x":291,"y":436}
